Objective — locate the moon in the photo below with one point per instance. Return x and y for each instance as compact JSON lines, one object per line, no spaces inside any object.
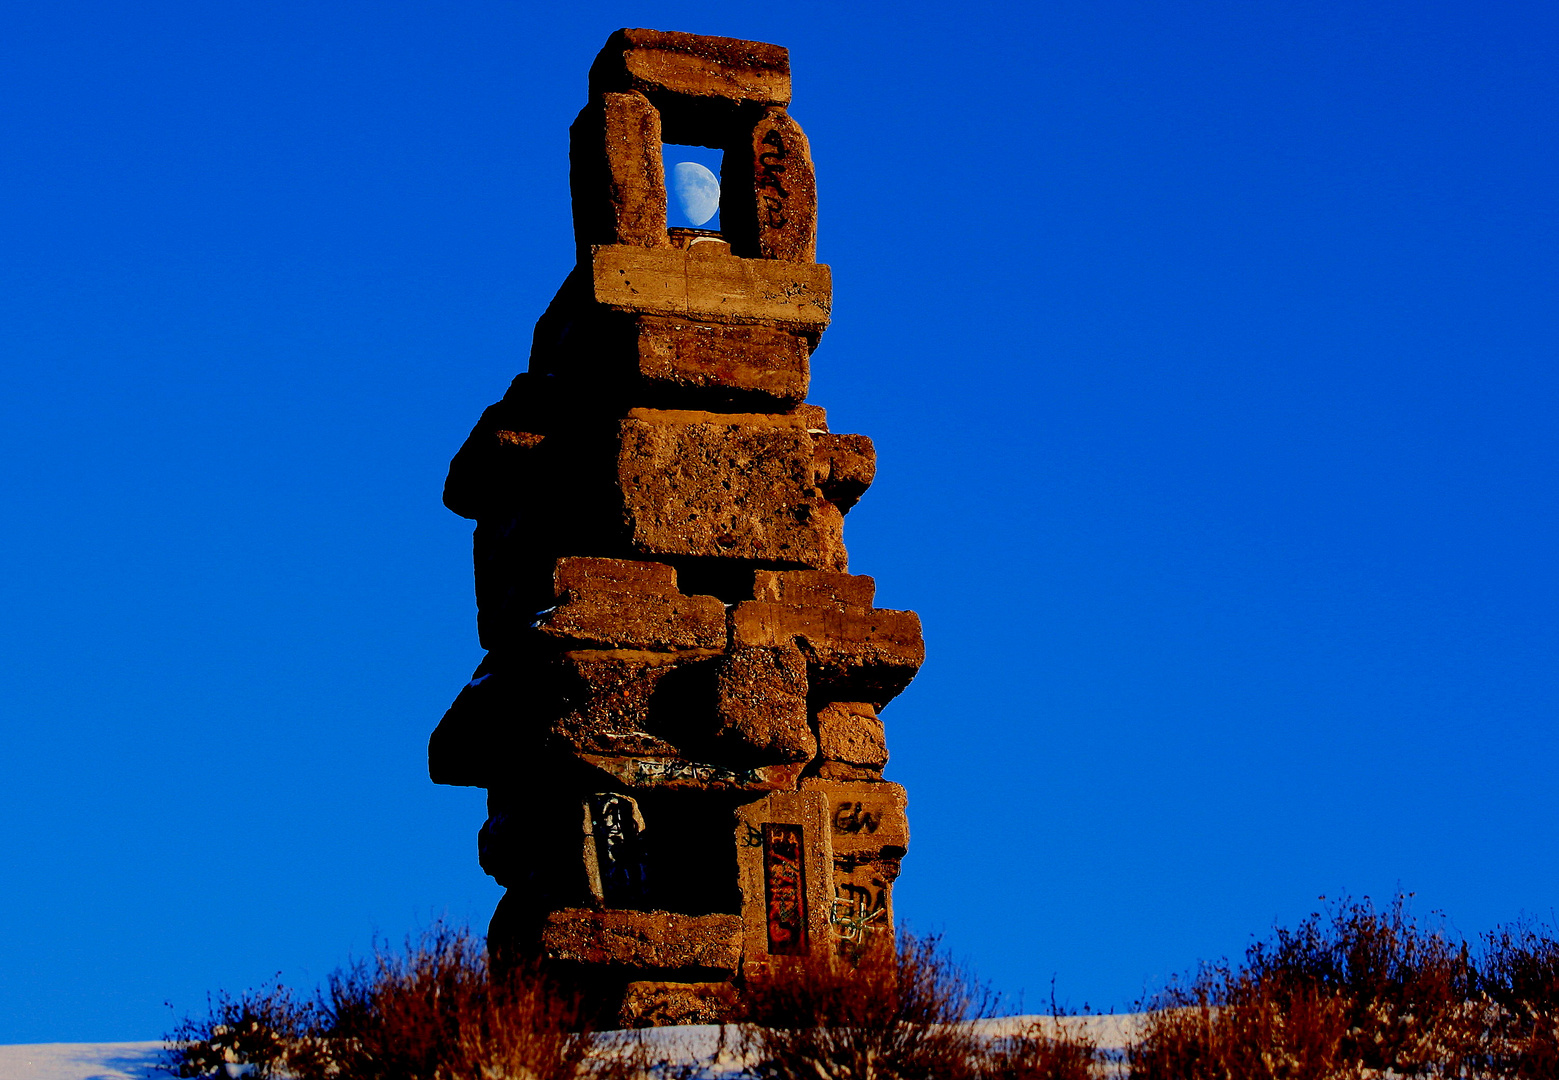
{"x":697,"y":191}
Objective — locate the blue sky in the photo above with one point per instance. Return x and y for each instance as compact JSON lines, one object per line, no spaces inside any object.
{"x":1209,"y":352}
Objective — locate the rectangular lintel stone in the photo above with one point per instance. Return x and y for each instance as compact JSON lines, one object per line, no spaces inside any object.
{"x":692,"y":65}
{"x":714,"y":288}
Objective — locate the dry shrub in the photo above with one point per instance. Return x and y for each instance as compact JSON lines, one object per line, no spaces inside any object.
{"x":436,"y":1012}
{"x":261,"y":1029}
{"x":1040,"y":1051}
{"x":1521,"y":979}
{"x":882,"y":1014}
{"x":1358,"y":992}
{"x":887,"y":1013}
{"x":1223,"y":1024}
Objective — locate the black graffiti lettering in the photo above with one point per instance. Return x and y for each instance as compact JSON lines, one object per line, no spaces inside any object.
{"x":850,"y":818}
{"x":865,"y":901}
{"x":776,"y":212}
{"x":769,"y":170}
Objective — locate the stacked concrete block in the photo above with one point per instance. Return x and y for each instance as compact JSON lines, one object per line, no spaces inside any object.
{"x":678,"y":719}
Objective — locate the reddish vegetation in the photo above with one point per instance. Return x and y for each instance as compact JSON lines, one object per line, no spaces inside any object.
{"x":1358,"y":992}
{"x":883,"y":1014}
{"x":435,"y":1011}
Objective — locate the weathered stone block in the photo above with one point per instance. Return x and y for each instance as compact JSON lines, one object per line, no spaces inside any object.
{"x":712,"y":288}
{"x":863,"y":899}
{"x":692,"y":65}
{"x":681,"y":356}
{"x":663,"y":1004}
{"x":762,"y":706}
{"x":728,"y":486}
{"x":853,"y":653}
{"x":577,"y":578}
{"x":785,"y":864}
{"x":864,"y":818}
{"x":813,"y":417}
{"x":645,"y":940}
{"x":622,"y":604}
{"x":850,"y":732}
{"x":800,"y":588}
{"x":608,"y":697}
{"x":868,"y":834}
{"x":780,"y":220}
{"x":845,"y":466}
{"x":616,"y":175}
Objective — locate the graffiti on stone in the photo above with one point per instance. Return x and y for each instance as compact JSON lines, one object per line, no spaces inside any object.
{"x":785,"y":889}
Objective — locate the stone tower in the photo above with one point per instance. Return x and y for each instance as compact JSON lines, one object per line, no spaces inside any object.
{"x":677,"y":719}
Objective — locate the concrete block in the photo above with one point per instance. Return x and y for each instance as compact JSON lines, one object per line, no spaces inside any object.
{"x":864,"y":818}
{"x":664,"y":1004}
{"x":851,"y":733}
{"x":779,"y":218}
{"x":845,"y":466}
{"x":727,"y":486}
{"x":711,"y":288}
{"x":853,"y":653}
{"x":644,"y":940}
{"x":785,"y":865}
{"x":800,"y":588}
{"x":763,"y":716}
{"x":664,"y":63}
{"x":607,"y":697}
{"x":682,"y":358}
{"x":615,"y":173}
{"x":623,"y":604}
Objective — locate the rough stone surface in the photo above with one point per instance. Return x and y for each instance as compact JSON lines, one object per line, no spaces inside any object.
{"x":609,"y":695}
{"x":864,"y":817}
{"x":845,"y":466}
{"x":712,"y":288}
{"x":646,"y":940}
{"x":853,"y":653}
{"x":726,"y":486}
{"x":851,"y":733}
{"x":692,"y":65}
{"x":675,"y":773}
{"x":621,"y":604}
{"x":800,"y":588}
{"x":616,"y":174}
{"x":706,"y":360}
{"x":785,"y":862}
{"x":781,"y":221}
{"x":762,"y":705}
{"x":677,"y":721}
{"x":662,"y":1004}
